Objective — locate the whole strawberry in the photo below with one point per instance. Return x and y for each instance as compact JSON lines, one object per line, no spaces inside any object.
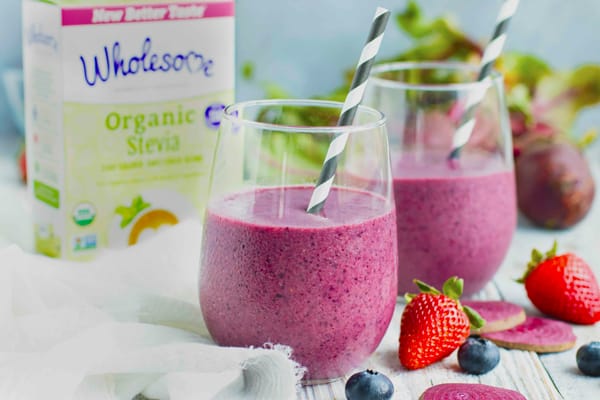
{"x":434,"y":324}
{"x":562,"y":286}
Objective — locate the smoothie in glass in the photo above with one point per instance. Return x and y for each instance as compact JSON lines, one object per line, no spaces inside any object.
{"x":323,"y":284}
{"x":452,"y":168}
{"x":452,"y":220}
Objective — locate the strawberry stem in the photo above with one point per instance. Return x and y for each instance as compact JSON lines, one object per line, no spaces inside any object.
{"x":537,"y":257}
{"x":453,"y":287}
{"x":425,"y":288}
{"x":552,"y":252}
{"x":476,"y":320}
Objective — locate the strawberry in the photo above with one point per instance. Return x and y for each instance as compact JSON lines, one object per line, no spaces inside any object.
{"x":434,"y":324}
{"x":22,"y":165}
{"x":562,"y":286}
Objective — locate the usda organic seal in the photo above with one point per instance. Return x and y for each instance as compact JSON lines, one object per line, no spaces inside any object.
{"x":84,"y":214}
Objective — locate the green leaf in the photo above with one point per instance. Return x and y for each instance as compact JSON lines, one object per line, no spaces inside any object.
{"x":523,"y":69}
{"x":519,"y":99}
{"x":537,"y":257}
{"x":585,"y":81}
{"x":129,"y":213}
{"x":476,"y":320}
{"x":409,"y":296}
{"x":412,"y":22}
{"x":587,"y":139}
{"x":434,"y":39}
{"x":123,"y":211}
{"x":416,"y":25}
{"x":126,"y":213}
{"x":275,"y":91}
{"x":453,"y":287}
{"x":425,"y":288}
{"x":126,"y":221}
{"x":248,"y":70}
{"x":561,"y":96}
{"x":138,"y":204}
{"x":552,"y":252}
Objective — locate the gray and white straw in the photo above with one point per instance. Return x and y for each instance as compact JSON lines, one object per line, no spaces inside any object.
{"x":351,"y":103}
{"x":490,"y":55}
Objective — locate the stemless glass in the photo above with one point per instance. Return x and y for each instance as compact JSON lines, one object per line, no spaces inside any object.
{"x":323,"y":284}
{"x":453,"y":217}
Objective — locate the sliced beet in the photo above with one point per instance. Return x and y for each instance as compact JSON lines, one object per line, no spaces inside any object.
{"x":470,"y":391}
{"x":499,"y":315}
{"x":538,"y":334}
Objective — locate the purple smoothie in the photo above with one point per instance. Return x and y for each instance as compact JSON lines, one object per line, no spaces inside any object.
{"x":324,"y":285}
{"x":452,"y":221}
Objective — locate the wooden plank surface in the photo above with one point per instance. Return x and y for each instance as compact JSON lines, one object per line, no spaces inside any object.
{"x":543,"y":377}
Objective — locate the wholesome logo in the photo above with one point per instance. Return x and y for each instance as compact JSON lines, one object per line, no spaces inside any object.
{"x":110,"y":63}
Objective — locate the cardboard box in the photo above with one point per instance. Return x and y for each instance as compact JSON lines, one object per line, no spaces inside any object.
{"x":123,"y":102}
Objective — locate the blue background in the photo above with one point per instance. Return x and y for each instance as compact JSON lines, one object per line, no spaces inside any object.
{"x":304,"y":45}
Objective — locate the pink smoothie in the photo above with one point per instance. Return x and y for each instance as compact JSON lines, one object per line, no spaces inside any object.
{"x":324,"y":285}
{"x":452,"y":221}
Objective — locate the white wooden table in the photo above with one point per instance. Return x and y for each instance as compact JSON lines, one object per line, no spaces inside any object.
{"x":537,"y":377}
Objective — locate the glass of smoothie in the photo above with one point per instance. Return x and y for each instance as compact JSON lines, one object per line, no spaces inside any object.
{"x":455,"y":215}
{"x":324,"y":284}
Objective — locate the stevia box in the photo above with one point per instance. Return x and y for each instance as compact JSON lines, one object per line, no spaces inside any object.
{"x":123,"y":102}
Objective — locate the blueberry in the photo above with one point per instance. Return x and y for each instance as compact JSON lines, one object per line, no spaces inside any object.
{"x":369,"y":385}
{"x":588,"y":359}
{"x":477,"y":356}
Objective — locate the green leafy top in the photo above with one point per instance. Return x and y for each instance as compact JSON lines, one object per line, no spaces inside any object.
{"x":560,"y":96}
{"x":129,"y":213}
{"x":452,"y":288}
{"x":523,"y":69}
{"x":434,"y":39}
{"x":537,"y":257}
{"x":547,"y":100}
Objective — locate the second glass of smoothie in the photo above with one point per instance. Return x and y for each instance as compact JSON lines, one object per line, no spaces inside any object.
{"x":324,"y":284}
{"x":455,"y":215}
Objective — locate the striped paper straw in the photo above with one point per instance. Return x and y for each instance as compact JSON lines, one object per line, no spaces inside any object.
{"x":475,"y":96}
{"x":353,"y":100}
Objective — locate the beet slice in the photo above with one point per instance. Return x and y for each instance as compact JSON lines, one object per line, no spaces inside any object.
{"x":499,"y":315}
{"x":469,"y":391}
{"x":538,"y":334}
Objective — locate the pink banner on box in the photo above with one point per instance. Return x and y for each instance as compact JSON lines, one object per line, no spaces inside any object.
{"x":99,"y":15}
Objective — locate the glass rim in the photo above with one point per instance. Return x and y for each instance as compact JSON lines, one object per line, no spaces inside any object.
{"x":229,"y":114}
{"x":429,"y":65}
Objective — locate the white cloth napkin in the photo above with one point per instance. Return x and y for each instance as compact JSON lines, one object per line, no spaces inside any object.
{"x":125,"y":325}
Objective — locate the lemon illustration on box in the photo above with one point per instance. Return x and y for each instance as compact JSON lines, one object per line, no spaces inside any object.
{"x":153,"y":219}
{"x":123,"y":103}
{"x":146,"y":215}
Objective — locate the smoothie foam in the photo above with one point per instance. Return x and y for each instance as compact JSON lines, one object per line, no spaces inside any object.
{"x":452,"y":221}
{"x":325,"y":285}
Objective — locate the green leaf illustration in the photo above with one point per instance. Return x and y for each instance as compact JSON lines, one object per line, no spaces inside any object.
{"x":129,"y":213}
